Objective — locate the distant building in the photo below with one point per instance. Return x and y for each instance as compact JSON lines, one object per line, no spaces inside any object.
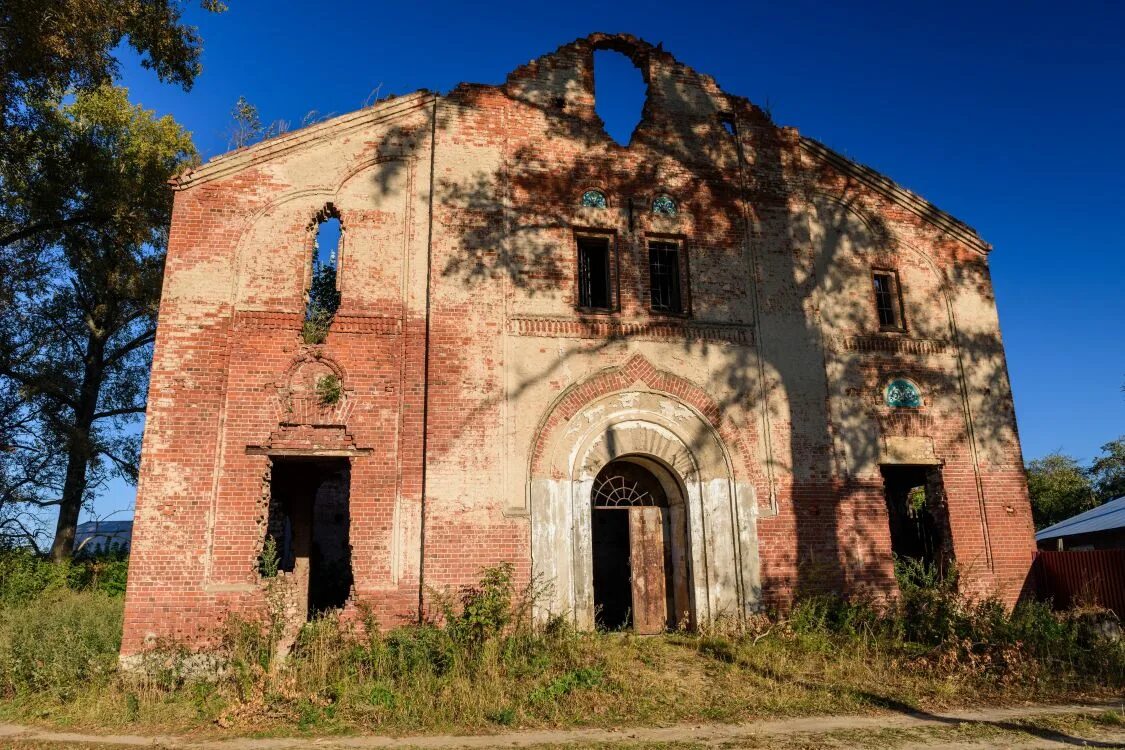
{"x":1100,"y":528}
{"x":93,"y":537}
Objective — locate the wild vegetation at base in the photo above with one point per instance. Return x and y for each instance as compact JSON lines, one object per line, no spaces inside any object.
{"x":482,"y":663}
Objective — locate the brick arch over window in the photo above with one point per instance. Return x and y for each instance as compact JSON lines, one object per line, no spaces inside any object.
{"x":639,"y":412}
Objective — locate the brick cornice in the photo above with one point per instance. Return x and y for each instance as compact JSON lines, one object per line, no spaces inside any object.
{"x":900,"y":195}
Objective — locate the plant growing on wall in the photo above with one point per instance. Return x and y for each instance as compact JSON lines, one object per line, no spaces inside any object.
{"x":329,"y":390}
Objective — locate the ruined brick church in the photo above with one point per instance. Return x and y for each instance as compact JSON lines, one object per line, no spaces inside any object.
{"x":676,"y":381}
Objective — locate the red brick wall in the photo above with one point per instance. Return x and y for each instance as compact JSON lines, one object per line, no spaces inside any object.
{"x":458,"y":332}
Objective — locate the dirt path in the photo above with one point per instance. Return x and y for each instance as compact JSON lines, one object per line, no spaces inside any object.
{"x":999,"y":727}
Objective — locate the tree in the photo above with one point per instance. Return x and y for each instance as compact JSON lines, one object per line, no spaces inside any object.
{"x":77,"y":326}
{"x":50,"y":50}
{"x":1108,"y":471}
{"x":1059,"y":488}
{"x":246,"y":126}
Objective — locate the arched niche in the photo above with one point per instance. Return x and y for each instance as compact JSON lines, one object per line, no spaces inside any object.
{"x":657,"y":430}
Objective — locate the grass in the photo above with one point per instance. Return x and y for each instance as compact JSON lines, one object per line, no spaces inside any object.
{"x":486,"y":667}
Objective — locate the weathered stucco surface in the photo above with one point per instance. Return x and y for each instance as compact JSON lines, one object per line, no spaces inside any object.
{"x":479,"y":402}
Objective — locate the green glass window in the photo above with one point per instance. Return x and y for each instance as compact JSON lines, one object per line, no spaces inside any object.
{"x":593,"y":199}
{"x":902,"y":393}
{"x":664,"y":206}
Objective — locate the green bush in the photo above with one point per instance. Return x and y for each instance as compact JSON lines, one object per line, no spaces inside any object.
{"x":61,"y":643}
{"x":25,"y":575}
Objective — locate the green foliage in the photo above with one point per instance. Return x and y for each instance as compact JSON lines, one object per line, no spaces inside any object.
{"x":486,"y":609}
{"x":1108,"y":471}
{"x":324,"y":300}
{"x":60,"y":643}
{"x":75,"y":46}
{"x":25,"y":576}
{"x":940,"y":627}
{"x":247,"y":125}
{"x":269,"y":561}
{"x":483,"y":663}
{"x":84,"y":212}
{"x":329,"y":390}
{"x":1059,"y":488}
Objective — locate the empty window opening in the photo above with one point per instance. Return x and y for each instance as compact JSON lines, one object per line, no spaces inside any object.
{"x":919,"y":519}
{"x":888,"y":300}
{"x":728,"y":123}
{"x":619,"y":94}
{"x":310,"y":524}
{"x":638,"y":526}
{"x":664,"y":276}
{"x":594,"y":285}
{"x":323,"y":294}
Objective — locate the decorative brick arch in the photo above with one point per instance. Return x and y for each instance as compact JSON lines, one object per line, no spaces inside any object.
{"x":638,"y":412}
{"x":637,"y":370}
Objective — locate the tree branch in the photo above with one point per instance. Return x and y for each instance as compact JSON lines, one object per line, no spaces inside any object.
{"x":138,"y":409}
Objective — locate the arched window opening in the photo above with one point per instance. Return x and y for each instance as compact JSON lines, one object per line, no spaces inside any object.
{"x":323,"y":295}
{"x":663,"y":205}
{"x":593,"y":199}
{"x":902,"y":394}
{"x":639,"y":535}
{"x":619,"y":94}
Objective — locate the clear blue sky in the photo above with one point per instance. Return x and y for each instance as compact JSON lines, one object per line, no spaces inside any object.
{"x":1011,"y":116}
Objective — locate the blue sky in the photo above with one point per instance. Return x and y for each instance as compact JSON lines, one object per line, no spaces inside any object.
{"x":1008,"y":115}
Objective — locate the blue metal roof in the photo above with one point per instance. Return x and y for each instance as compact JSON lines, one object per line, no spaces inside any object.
{"x":1105,"y":517}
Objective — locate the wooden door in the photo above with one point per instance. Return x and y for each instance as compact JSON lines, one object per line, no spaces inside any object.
{"x":647,"y":534}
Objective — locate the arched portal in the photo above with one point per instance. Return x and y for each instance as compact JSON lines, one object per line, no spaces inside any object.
{"x":712,"y":511}
{"x":639,"y":541}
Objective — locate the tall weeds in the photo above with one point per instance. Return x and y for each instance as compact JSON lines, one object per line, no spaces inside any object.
{"x":481,"y":662}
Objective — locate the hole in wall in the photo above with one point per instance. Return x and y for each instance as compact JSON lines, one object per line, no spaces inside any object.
{"x":310,"y":522}
{"x":323,"y":295}
{"x":619,"y":94}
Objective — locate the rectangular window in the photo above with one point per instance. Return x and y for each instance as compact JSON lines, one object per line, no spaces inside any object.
{"x":664,"y":276}
{"x":594,"y":255}
{"x":888,"y":302}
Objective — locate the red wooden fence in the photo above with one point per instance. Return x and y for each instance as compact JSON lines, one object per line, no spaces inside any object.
{"x":1083,"y":577}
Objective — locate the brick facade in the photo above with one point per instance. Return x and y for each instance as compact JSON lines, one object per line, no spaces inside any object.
{"x":469,"y":374}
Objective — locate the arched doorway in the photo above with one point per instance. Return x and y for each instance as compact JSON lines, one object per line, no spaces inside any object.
{"x":639,"y":544}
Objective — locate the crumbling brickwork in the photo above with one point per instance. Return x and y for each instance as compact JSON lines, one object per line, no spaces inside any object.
{"x":480,"y":400}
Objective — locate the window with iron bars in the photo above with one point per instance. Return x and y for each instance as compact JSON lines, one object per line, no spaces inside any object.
{"x":664,"y":277}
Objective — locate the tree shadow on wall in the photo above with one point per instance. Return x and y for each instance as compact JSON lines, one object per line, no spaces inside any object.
{"x":791,"y":234}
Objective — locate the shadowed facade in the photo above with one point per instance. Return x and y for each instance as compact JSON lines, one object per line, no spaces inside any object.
{"x":677,"y":380}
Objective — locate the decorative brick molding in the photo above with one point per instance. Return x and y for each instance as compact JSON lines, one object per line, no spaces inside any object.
{"x":379,"y":325}
{"x":636,"y":369}
{"x":259,"y":320}
{"x":890,"y":344}
{"x":642,"y":330}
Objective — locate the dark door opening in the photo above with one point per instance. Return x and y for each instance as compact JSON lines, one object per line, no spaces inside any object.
{"x":918,"y":516}
{"x":639,"y":551}
{"x":310,"y":521}
{"x":613,"y":597}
